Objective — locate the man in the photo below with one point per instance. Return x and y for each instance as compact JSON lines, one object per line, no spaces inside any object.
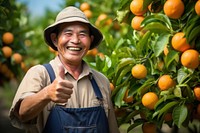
{"x":38,"y":98}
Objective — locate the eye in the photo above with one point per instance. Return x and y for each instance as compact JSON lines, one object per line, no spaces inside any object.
{"x":68,"y":33}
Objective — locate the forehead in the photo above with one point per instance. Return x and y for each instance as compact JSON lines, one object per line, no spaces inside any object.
{"x":74,"y":25}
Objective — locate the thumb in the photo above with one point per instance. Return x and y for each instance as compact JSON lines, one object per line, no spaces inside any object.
{"x":61,"y":71}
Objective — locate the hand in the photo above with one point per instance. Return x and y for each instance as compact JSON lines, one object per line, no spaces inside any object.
{"x":60,"y":90}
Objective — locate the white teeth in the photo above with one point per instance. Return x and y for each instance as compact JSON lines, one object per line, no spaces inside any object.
{"x":74,"y":49}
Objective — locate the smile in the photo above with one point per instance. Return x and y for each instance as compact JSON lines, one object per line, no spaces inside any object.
{"x":74,"y":48}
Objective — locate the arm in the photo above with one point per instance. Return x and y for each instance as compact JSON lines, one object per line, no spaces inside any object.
{"x":59,"y":92}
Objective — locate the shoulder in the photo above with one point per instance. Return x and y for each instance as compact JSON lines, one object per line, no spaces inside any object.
{"x":99,"y":75}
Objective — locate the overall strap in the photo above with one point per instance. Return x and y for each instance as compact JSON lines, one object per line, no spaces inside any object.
{"x":96,"y":89}
{"x":92,"y":80}
{"x":50,"y":71}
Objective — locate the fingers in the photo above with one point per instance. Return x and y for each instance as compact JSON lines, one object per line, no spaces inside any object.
{"x":61,"y":71}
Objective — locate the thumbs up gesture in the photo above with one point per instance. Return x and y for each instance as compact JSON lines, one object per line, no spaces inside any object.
{"x":60,"y":90}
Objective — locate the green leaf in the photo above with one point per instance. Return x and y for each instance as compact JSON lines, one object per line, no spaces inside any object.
{"x":161,"y":18}
{"x":179,"y":115}
{"x":124,"y":62}
{"x":119,"y":97}
{"x":162,"y":41}
{"x":171,"y":56}
{"x":194,"y":34}
{"x":157,"y":27}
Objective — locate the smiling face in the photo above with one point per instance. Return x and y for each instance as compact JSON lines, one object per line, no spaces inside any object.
{"x":73,"y":41}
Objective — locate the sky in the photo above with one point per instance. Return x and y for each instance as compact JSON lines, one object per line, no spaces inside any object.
{"x":37,"y":7}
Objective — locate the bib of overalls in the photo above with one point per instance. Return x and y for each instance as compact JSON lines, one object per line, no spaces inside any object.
{"x":77,"y":120}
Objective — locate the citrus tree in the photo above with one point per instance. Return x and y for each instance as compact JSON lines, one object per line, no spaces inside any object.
{"x":14,"y":34}
{"x":157,"y":63}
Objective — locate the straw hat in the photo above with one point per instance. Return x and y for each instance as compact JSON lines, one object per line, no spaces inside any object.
{"x":71,"y":14}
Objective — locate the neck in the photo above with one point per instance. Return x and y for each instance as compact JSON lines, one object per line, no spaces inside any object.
{"x":74,"y":69}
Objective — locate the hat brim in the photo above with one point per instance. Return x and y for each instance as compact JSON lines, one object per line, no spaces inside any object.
{"x":98,"y":37}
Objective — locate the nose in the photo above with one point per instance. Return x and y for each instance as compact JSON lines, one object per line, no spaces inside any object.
{"x":75,"y":39}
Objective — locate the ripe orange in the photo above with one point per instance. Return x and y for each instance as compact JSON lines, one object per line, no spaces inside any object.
{"x":103,"y":19}
{"x":7,"y":38}
{"x":128,"y":99}
{"x":197,"y":92}
{"x":165,"y":82}
{"x":7,"y":51}
{"x":92,"y":52}
{"x":190,"y":58}
{"x":197,"y":7}
{"x":84,"y":6}
{"x":160,"y":65}
{"x":149,"y":128}
{"x":166,"y":51}
{"x":17,"y":58}
{"x":136,"y":7}
{"x":139,"y":71}
{"x":112,"y":87}
{"x":149,"y":100}
{"x":101,"y":55}
{"x":179,"y":42}
{"x":174,"y":8}
{"x":136,"y":22}
{"x":88,"y":13}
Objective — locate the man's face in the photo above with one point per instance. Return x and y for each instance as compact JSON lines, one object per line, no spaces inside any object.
{"x":73,"y":41}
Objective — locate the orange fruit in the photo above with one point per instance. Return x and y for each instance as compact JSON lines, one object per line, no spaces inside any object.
{"x":7,"y":38}
{"x":112,"y":87}
{"x":149,"y":127}
{"x":139,"y":71}
{"x":101,"y":55}
{"x":17,"y":58}
{"x":92,"y":52}
{"x":197,"y":7}
{"x":174,"y":8}
{"x":149,"y":100}
{"x":136,"y":7}
{"x":166,"y":51}
{"x":160,"y":65}
{"x":197,"y":92}
{"x":179,"y":42}
{"x":165,"y":82}
{"x":84,"y":6}
{"x":7,"y":51}
{"x":190,"y":58}
{"x":103,"y":19}
{"x":136,"y":22}
{"x":88,"y":13}
{"x":128,"y":99}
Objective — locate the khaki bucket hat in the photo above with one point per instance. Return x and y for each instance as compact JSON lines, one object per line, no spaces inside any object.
{"x":72,"y":14}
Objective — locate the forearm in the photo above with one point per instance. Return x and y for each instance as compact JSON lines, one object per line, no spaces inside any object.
{"x":32,"y":105}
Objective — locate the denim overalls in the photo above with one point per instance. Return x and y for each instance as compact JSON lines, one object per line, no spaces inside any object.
{"x":77,"y":120}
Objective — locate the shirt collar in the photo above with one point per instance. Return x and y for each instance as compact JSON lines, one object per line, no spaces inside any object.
{"x":86,"y":69}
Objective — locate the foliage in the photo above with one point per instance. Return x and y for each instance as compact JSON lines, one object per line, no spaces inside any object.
{"x":14,"y":22}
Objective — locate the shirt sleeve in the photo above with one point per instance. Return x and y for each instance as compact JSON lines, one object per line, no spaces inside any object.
{"x":32,"y":82}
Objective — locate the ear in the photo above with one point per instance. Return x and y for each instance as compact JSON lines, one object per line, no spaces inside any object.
{"x":54,"y":39}
{"x":92,"y":38}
